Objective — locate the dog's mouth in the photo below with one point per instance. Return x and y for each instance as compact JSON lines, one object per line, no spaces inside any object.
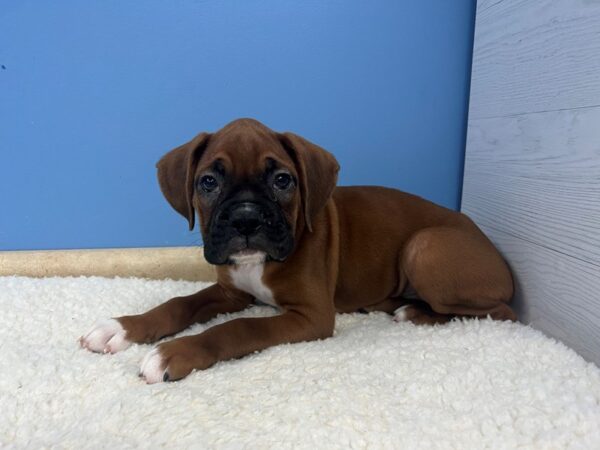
{"x":248,"y":256}
{"x":246,"y":250}
{"x":249,"y":250}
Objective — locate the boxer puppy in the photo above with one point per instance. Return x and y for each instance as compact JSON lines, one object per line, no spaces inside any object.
{"x":280,"y":232}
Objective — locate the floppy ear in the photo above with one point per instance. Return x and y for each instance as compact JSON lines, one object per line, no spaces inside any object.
{"x":176,"y":175}
{"x":317,"y":169}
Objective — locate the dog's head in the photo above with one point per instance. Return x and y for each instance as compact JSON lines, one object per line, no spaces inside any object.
{"x":254,"y":189}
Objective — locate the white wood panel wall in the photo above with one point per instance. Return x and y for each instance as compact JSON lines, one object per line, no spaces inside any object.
{"x":532,"y":169}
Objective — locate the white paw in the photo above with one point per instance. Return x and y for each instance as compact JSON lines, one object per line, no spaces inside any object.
{"x":400,"y":314}
{"x":152,"y":369}
{"x":106,"y":336}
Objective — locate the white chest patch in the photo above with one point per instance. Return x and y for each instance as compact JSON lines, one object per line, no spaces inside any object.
{"x":247,"y":273}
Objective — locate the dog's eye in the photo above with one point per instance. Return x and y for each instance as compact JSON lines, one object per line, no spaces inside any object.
{"x":208,"y":183}
{"x":282,"y":181}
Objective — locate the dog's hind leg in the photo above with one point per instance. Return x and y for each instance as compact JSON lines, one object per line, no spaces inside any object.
{"x":419,"y":313}
{"x":458,"y":272}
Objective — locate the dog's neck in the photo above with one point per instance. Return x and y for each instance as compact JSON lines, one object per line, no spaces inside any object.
{"x":246,"y":274}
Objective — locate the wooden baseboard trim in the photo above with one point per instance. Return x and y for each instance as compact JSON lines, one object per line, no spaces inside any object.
{"x":179,"y":263}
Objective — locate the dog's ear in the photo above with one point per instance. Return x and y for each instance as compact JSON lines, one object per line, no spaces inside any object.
{"x":317,"y":169}
{"x":176,"y":175}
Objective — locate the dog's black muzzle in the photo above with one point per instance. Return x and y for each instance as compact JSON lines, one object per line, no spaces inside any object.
{"x":247,"y":225}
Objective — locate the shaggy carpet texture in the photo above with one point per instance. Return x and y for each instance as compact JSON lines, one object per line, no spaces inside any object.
{"x":376,"y":383}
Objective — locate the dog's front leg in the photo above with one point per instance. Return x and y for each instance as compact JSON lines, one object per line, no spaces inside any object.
{"x":113,"y":335}
{"x":175,"y":359}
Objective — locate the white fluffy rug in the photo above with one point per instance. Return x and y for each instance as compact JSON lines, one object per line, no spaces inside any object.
{"x":376,"y":384}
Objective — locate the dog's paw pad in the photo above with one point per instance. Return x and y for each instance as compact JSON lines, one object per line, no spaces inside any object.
{"x":106,"y":336}
{"x":404,"y":313}
{"x":153,"y":369}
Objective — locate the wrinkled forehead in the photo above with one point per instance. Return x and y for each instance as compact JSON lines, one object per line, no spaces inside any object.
{"x":245,"y":154}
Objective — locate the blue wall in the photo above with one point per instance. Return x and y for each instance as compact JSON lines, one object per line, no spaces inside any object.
{"x":93,"y":93}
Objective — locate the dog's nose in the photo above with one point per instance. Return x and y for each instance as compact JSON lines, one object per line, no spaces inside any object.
{"x":246,"y":218}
